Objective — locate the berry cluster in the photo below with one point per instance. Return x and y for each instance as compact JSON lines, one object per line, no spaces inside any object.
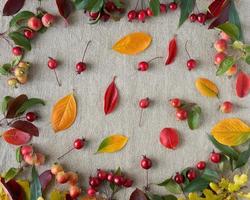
{"x":192,"y":173}
{"x":200,"y":17}
{"x":69,"y":177}
{"x":31,"y":157}
{"x":117,"y":179}
{"x":181,"y":113}
{"x":142,"y":14}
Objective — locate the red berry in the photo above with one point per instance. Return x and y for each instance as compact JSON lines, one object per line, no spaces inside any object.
{"x":81,"y":67}
{"x":181,"y":114}
{"x":193,"y":17}
{"x":215,"y":157}
{"x":201,"y":18}
{"x":94,"y":182}
{"x":128,"y":183}
{"x":163,"y":7}
{"x":48,"y":19}
{"x":191,"y":64}
{"x":26,"y":150}
{"x":201,"y":165}
{"x":29,"y":34}
{"x":191,"y":175}
{"x":149,"y":12}
{"x":226,"y":107}
{"x":31,"y":116}
{"x":102,"y":175}
{"x":93,"y":15}
{"x":173,"y":6}
{"x":91,"y":192}
{"x":17,"y":51}
{"x":142,"y":15}
{"x":105,"y":17}
{"x":118,"y":180}
{"x":52,"y":63}
{"x":146,"y":163}
{"x":144,"y":103}
{"x":219,"y":57}
{"x":176,"y":103}
{"x":110,"y":6}
{"x":110,"y":177}
{"x":79,"y":143}
{"x":143,"y":66}
{"x":34,"y":23}
{"x":132,"y":15}
{"x":179,"y":178}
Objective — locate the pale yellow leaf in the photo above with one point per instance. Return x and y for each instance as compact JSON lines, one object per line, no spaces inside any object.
{"x":206,"y":87}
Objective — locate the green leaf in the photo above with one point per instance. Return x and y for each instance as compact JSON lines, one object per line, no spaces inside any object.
{"x":4,"y":104}
{"x":43,"y":30}
{"x":194,"y":117}
{"x":171,"y":186}
{"x":196,"y":185}
{"x":187,"y":6}
{"x":158,"y":197}
{"x":16,"y":60}
{"x":247,"y":59}
{"x":225,"y":65}
{"x":20,"y":17}
{"x":29,"y":104}
{"x":224,"y":164}
{"x":230,"y":29}
{"x":20,"y":40}
{"x":234,"y":18}
{"x":210,"y":175}
{"x":90,"y":5}
{"x":119,"y":4}
{"x":243,"y":158}
{"x":80,"y":4}
{"x":18,"y":155}
{"x":229,"y":151}
{"x":247,"y":48}
{"x":5,"y":69}
{"x":11,"y":173}
{"x":113,"y":186}
{"x":155,"y":6}
{"x":35,"y":188}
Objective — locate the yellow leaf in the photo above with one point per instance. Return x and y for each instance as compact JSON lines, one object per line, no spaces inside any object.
{"x":133,"y":43}
{"x":3,"y":195}
{"x":231,"y":132}
{"x":112,"y":144}
{"x":64,"y":113}
{"x":57,"y":195}
{"x":206,"y":87}
{"x":26,"y":188}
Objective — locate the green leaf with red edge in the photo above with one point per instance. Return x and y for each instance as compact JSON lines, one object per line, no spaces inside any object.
{"x":187,"y":6}
{"x":20,"y":40}
{"x":14,"y":105}
{"x":234,"y":18}
{"x":26,"y":127}
{"x":216,"y":7}
{"x":16,"y":137}
{"x":154,"y":5}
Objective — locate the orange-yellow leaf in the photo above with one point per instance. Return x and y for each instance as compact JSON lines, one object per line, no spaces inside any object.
{"x":206,"y":87}
{"x":64,"y":113}
{"x":231,"y":132}
{"x":133,"y":43}
{"x":112,"y":144}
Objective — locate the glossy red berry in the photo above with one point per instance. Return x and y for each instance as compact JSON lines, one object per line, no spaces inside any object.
{"x":132,"y":15}
{"x":191,"y":64}
{"x":94,"y":182}
{"x":110,"y":177}
{"x":181,"y":114}
{"x":29,"y":34}
{"x":128,"y":183}
{"x":144,"y":103}
{"x":201,"y":165}
{"x":81,"y":67}
{"x":31,"y":116}
{"x":193,"y":17}
{"x":191,"y":175}
{"x":52,"y":63}
{"x":201,"y":18}
{"x":110,"y":6}
{"x":146,"y":163}
{"x":17,"y":51}
{"x":176,"y":103}
{"x":93,"y":15}
{"x":149,"y":12}
{"x":79,"y":143}
{"x":91,"y":192}
{"x":226,"y":107}
{"x":118,"y":180}
{"x":173,"y":6}
{"x":143,"y":66}
{"x":102,"y":175}
{"x":178,"y":178}
{"x":163,"y":7}
{"x":142,"y":15}
{"x":215,"y":157}
{"x":105,"y":17}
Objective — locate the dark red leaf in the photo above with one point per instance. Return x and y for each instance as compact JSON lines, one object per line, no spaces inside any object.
{"x":216,"y":7}
{"x":172,"y":51}
{"x":138,"y":195}
{"x":68,"y":197}
{"x":65,"y":8}
{"x":242,"y":85}
{"x":12,"y":189}
{"x":11,"y":7}
{"x":16,"y":137}
{"x":14,"y":105}
{"x":209,"y":16}
{"x":45,"y":178}
{"x":111,"y":97}
{"x":26,"y":127}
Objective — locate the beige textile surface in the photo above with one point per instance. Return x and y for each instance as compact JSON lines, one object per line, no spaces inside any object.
{"x":160,"y":83}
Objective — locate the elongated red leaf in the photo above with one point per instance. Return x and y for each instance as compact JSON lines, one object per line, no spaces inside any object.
{"x":11,"y":7}
{"x":45,"y":178}
{"x":12,"y":189}
{"x":111,"y":97}
{"x":26,"y":127}
{"x":14,"y":105}
{"x":137,"y":194}
{"x":65,"y":8}
{"x":172,"y":51}
{"x":216,"y":7}
{"x":16,"y":137}
{"x":242,"y":85}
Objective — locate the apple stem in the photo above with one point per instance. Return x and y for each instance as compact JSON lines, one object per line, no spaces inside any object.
{"x":85,"y":50}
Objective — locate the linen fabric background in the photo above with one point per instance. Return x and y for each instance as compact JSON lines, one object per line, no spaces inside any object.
{"x":159,"y":83}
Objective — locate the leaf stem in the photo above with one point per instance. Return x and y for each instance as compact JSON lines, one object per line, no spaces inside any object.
{"x":85,"y":50}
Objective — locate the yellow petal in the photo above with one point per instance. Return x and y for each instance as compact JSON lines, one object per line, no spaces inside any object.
{"x":26,"y":188}
{"x":112,"y":144}
{"x":206,"y":87}
{"x":64,"y":113}
{"x":231,"y":132}
{"x":133,"y":43}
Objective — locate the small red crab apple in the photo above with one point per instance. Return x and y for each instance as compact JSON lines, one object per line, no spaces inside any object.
{"x":91,"y":192}
{"x":226,"y":107}
{"x":191,"y":63}
{"x":181,"y":114}
{"x":78,"y":144}
{"x":144,"y":65}
{"x":219,"y":57}
{"x":220,"y":45}
{"x":215,"y":157}
{"x":29,"y":34}
{"x":74,"y":191}
{"x":143,"y":104}
{"x":34,"y":23}
{"x":48,"y":19}
{"x":53,"y":64}
{"x":82,"y":66}
{"x":225,"y":36}
{"x":232,"y":70}
{"x":176,"y":102}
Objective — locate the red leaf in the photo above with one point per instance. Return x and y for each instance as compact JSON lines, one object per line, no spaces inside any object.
{"x":11,"y":7}
{"x":172,"y":51}
{"x":45,"y":178}
{"x":111,"y":97}
{"x":12,"y":189}
{"x":216,"y":7}
{"x":16,"y":137}
{"x":169,"y":138}
{"x":25,"y":127}
{"x":65,"y":8}
{"x":14,"y":105}
{"x":137,"y":194}
{"x":242,"y":85}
